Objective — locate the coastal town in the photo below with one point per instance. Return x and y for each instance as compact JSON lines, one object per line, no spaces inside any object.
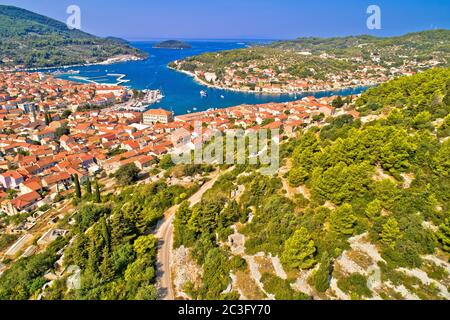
{"x":270,"y":71}
{"x":266,"y":158}
{"x":54,"y":130}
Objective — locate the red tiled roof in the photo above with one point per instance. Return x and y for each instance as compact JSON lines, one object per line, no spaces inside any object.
{"x":25,"y":200}
{"x":158,"y":112}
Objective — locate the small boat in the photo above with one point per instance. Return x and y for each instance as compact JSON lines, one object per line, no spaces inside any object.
{"x":222,"y":96}
{"x":195,"y":109}
{"x":203,"y":93}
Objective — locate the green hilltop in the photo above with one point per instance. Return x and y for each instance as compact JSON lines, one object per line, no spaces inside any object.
{"x":31,"y":40}
{"x":422,"y":45}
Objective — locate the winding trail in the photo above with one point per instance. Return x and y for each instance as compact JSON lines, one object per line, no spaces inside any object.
{"x":164,"y":234}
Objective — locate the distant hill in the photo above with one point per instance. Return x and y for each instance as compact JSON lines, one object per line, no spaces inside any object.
{"x":119,"y":40}
{"x":423,"y":44}
{"x":173,"y":44}
{"x":31,"y":40}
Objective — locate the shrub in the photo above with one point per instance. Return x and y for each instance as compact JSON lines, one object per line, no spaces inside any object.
{"x":355,"y":284}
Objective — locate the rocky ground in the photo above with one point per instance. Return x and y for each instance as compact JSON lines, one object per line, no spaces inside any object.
{"x":432,"y":281}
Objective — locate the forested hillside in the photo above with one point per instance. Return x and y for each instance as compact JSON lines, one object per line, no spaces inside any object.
{"x":31,"y":40}
{"x":111,"y":245}
{"x":365,"y":205}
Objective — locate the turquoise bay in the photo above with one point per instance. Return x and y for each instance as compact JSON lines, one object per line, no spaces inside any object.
{"x":182,"y":93}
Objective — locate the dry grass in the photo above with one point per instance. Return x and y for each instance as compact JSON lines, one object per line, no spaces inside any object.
{"x":338,"y":272}
{"x":360,"y":258}
{"x":248,"y":286}
{"x":265,"y":265}
{"x":388,"y":293}
{"x":292,"y":274}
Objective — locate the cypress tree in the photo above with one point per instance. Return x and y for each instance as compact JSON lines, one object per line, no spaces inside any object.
{"x":106,"y":267}
{"x":338,"y":102}
{"x":76,"y":182}
{"x":48,"y":118}
{"x":98,"y":197}
{"x":105,"y":232}
{"x":88,"y":187}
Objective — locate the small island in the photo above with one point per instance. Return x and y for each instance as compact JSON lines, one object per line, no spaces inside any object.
{"x":172,"y":44}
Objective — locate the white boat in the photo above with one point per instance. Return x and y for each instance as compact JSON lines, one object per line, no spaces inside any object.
{"x":153,"y":96}
{"x":195,"y":109}
{"x":223,"y":97}
{"x":203,"y":93}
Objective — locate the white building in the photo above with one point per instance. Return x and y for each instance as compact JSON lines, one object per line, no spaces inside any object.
{"x":157,"y":115}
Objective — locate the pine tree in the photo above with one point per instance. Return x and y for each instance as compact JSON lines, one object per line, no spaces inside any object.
{"x":78,"y":250}
{"x":343,"y":221}
{"x":390,"y":233}
{"x":229,"y":215}
{"x":299,"y":250}
{"x":98,"y":197}
{"x":374,"y":209}
{"x":298,"y":176}
{"x":122,"y":229}
{"x":443,"y":235}
{"x":182,"y":234}
{"x":76,"y":182}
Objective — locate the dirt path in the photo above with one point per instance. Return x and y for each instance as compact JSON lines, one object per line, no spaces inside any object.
{"x":164,"y":235}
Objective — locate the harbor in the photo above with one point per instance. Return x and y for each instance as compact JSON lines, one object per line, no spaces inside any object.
{"x":140,"y":104}
{"x":182,"y":94}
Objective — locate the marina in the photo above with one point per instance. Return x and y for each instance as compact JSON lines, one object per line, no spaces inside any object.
{"x":150,"y":98}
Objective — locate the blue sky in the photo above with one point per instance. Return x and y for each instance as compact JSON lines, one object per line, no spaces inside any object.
{"x":241,"y":19}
